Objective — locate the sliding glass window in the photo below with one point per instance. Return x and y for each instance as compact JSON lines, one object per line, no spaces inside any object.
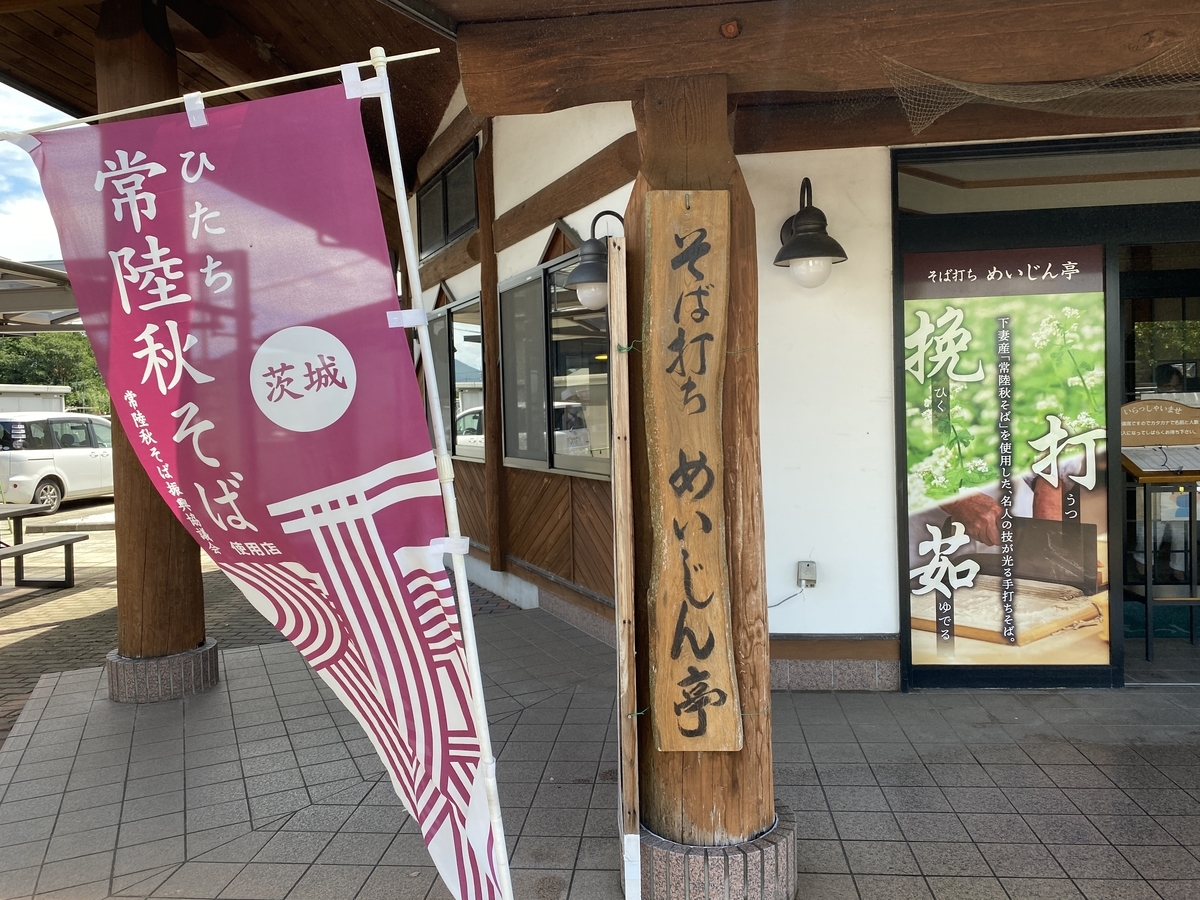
{"x":554,"y":364}
{"x":457,"y":344}
{"x":579,"y":378}
{"x":523,"y":359}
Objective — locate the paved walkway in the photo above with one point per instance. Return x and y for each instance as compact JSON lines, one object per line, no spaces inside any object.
{"x":44,"y":630}
{"x":266,"y":788}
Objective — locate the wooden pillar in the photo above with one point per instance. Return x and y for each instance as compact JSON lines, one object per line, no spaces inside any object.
{"x":713,"y":798}
{"x":160,"y":595}
{"x":495,"y":486}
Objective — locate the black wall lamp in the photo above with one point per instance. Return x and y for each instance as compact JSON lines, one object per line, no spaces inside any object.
{"x":807,"y":248}
{"x":589,"y":279}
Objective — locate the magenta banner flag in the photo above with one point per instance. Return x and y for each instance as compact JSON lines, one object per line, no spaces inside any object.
{"x":234,"y":280}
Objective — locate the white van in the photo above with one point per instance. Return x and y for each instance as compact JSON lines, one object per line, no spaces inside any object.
{"x":48,"y":457}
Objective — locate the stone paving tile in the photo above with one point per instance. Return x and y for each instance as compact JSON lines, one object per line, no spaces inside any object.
{"x":266,"y":788}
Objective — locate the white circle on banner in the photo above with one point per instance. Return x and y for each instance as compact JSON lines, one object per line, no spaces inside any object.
{"x":303,"y":378}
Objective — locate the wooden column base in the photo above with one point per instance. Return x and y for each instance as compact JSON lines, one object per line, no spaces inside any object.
{"x":761,"y":869}
{"x":154,"y":678}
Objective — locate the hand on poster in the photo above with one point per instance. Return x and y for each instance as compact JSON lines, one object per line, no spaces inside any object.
{"x":980,"y":514}
{"x":1047,"y":500}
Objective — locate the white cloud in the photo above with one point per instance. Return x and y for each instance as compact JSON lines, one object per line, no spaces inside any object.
{"x":20,"y":112}
{"x":26,"y":229}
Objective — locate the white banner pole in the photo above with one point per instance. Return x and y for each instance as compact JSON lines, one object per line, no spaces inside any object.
{"x":218,"y":92}
{"x":445,"y":474}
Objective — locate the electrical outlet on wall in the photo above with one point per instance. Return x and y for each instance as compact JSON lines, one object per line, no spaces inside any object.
{"x":806,"y":573}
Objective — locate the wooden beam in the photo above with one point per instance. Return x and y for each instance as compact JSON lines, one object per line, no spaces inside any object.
{"x":217,"y":42}
{"x":622,"y":506}
{"x":705,"y":798}
{"x":14,"y":6}
{"x":774,"y":128}
{"x":495,"y":481}
{"x":443,"y":147}
{"x":452,"y":260}
{"x":519,"y":67}
{"x":612,"y":167}
{"x":160,"y":594}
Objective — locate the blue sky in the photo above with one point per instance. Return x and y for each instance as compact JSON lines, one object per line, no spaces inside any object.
{"x":26,"y":229}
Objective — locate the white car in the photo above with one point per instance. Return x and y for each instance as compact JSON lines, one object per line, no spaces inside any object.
{"x":48,"y":457}
{"x":570,"y":430}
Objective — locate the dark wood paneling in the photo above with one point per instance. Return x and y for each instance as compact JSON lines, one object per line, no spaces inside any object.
{"x":443,"y":147}
{"x":451,"y":260}
{"x":835,"y":648}
{"x":773,"y":128}
{"x":563,"y":592}
{"x":592,"y":535}
{"x":539,"y":520}
{"x":560,"y":244}
{"x":499,"y":10}
{"x":471,"y":492}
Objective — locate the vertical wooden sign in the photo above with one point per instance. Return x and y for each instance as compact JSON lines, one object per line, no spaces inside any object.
{"x":693,"y":684}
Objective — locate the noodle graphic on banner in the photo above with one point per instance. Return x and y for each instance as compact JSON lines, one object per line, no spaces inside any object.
{"x":234,"y":280}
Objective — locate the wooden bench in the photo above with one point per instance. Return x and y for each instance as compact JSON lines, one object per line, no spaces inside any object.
{"x":18,"y":552}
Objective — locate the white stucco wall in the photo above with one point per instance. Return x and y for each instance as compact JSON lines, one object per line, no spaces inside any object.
{"x":825,"y":360}
{"x":526,"y":254}
{"x":825,"y":363}
{"x":533,"y":151}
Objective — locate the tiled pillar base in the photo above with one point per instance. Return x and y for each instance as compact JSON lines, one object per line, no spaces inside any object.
{"x":162,"y":677}
{"x":761,"y":869}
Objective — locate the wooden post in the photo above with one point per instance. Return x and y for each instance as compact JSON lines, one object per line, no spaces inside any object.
{"x":495,"y":487}
{"x":623,"y":555}
{"x":160,"y":594}
{"x":705,"y":798}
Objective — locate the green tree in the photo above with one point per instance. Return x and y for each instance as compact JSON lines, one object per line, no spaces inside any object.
{"x":55,"y":358}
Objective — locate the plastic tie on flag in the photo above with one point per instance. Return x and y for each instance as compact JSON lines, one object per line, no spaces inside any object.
{"x":407,"y":318}
{"x":456,"y":546}
{"x":194,"y":104}
{"x":356,"y":87}
{"x":26,"y":142}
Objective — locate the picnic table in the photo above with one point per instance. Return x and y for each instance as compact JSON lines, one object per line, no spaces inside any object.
{"x":16,"y":513}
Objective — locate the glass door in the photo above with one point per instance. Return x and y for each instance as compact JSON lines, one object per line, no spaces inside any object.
{"x":1160,"y":315}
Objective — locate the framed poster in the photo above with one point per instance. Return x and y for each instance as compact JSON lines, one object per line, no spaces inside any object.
{"x":1005,"y":457}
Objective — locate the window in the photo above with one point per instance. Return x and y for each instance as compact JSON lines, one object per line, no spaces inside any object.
{"x":71,"y":433}
{"x":554,"y":366}
{"x":579,"y":379}
{"x":102,"y":432}
{"x":446,"y":206}
{"x":456,"y":336}
{"x":37,"y":436}
{"x":523,"y":369}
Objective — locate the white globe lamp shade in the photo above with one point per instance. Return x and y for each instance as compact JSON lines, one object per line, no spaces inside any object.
{"x":813,"y":271}
{"x":592,"y":294}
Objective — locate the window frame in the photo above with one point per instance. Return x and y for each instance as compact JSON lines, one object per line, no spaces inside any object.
{"x":64,"y":426}
{"x":439,"y":183}
{"x":544,"y":273}
{"x":96,"y":442}
{"x":448,"y":312}
{"x":1109,"y":226}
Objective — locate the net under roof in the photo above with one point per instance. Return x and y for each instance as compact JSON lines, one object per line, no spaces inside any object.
{"x":1167,"y":85}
